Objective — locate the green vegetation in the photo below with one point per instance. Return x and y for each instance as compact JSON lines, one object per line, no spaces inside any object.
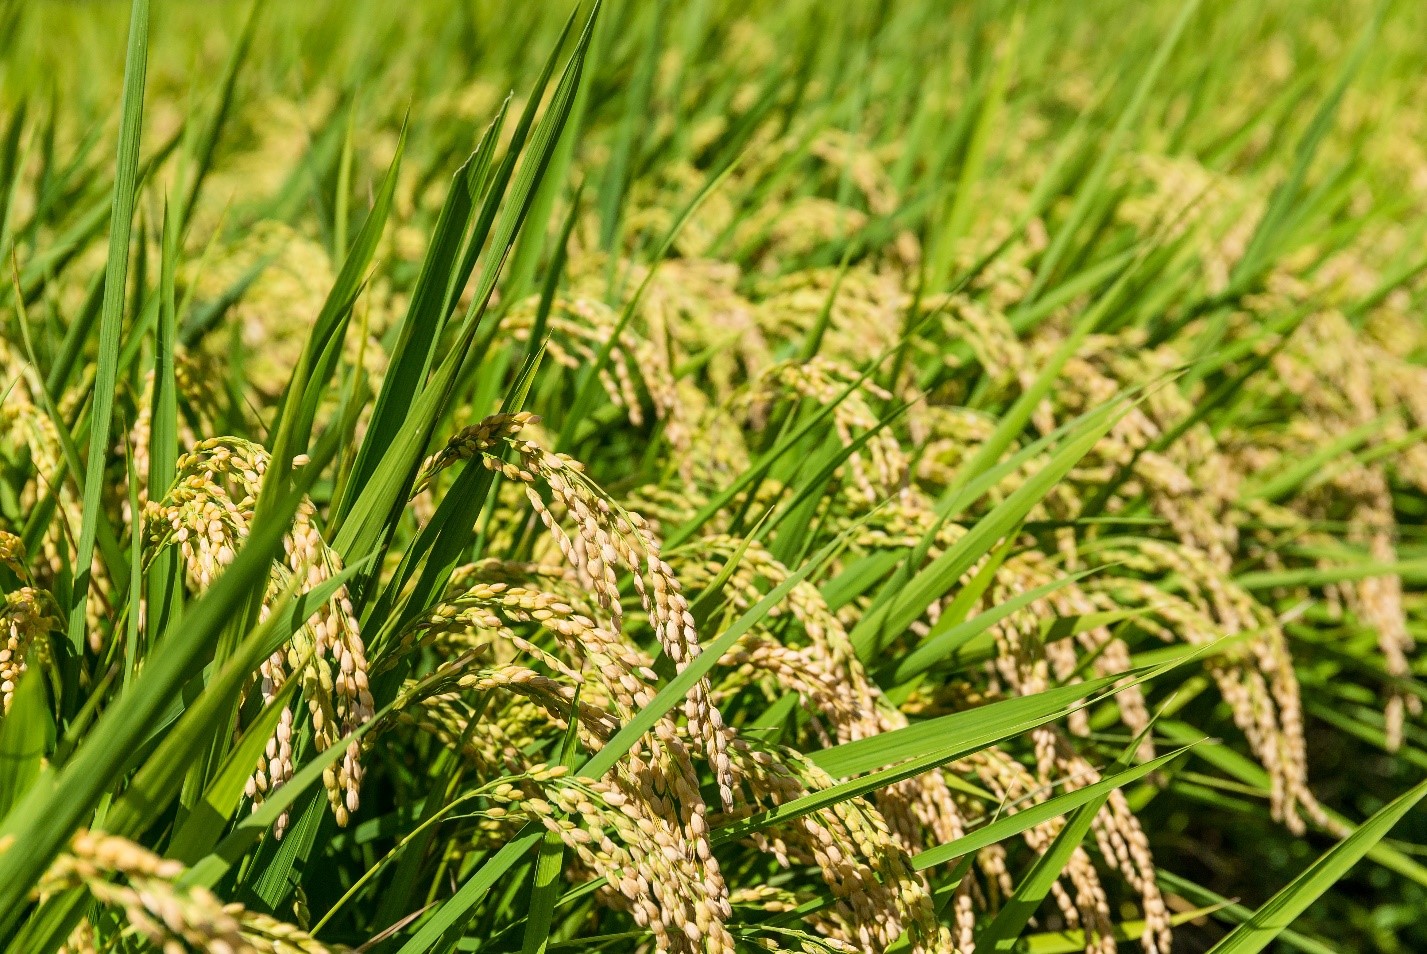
{"x":712,"y":476}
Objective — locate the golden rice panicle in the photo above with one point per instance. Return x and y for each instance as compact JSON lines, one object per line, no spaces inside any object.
{"x":1256,"y":679}
{"x":151,"y":903}
{"x":207,"y":515}
{"x":473,"y":630}
{"x":671,"y":886}
{"x":1088,"y":907}
{"x":580,"y":328}
{"x":491,"y":746}
{"x":28,"y":432}
{"x":1122,"y":840}
{"x":877,"y":894}
{"x":476,"y":625}
{"x":27,"y":616}
{"x":146,"y":890}
{"x":607,"y":540}
{"x":822,"y":666}
{"x":12,"y":554}
{"x":841,"y":700}
{"x":641,"y":833}
{"x":490,"y":434}
{"x":881,"y":470}
{"x":1370,"y":386}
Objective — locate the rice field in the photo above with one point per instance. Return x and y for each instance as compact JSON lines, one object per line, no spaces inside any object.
{"x":694,"y":478}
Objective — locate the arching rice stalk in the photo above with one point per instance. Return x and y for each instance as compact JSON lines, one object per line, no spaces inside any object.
{"x":144,"y":888}
{"x":206,"y":515}
{"x":607,"y":539}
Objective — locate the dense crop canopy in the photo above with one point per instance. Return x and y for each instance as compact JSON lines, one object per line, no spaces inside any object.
{"x":899,"y":477}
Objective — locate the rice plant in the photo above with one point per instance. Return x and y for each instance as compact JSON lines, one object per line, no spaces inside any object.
{"x":711,"y":477}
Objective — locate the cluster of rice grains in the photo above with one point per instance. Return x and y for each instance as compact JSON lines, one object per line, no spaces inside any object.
{"x":1176,"y":582}
{"x":206,"y":515}
{"x":799,"y":285}
{"x":145,"y":893}
{"x":595,"y":673}
{"x":645,"y":828}
{"x":27,"y":618}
